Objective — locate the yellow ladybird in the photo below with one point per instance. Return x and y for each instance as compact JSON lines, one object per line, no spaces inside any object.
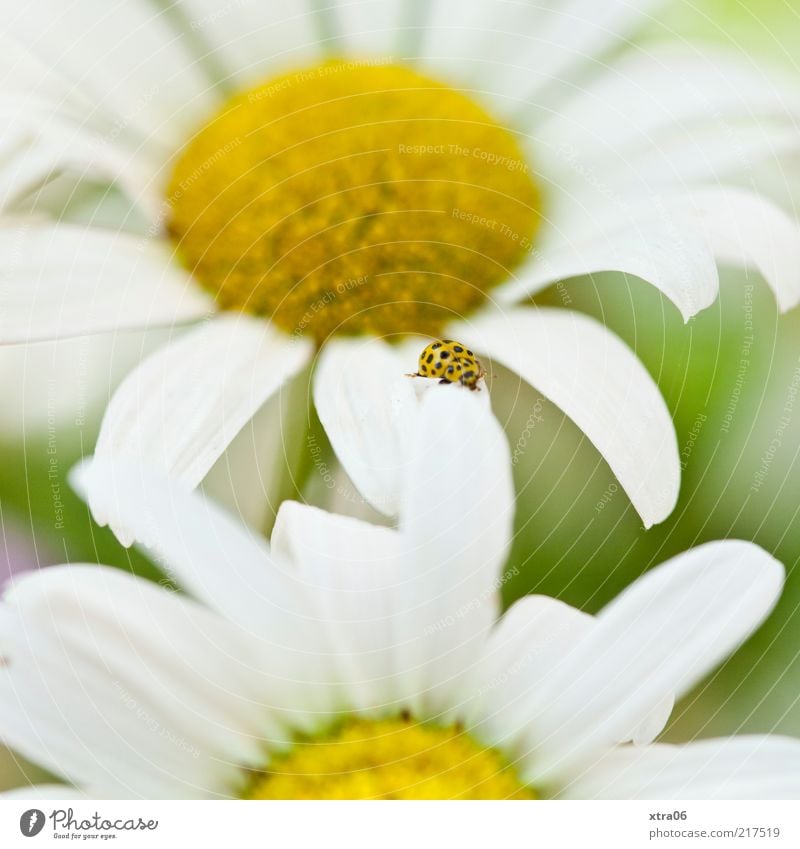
{"x":451,"y":362}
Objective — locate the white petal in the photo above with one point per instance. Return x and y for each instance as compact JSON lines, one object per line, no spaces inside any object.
{"x":678,"y":161}
{"x":664,"y":633}
{"x":651,"y":97}
{"x":515,"y":51}
{"x":126,"y":58}
{"x":43,"y":792}
{"x":57,"y":280}
{"x":367,"y":405}
{"x":124,"y":688}
{"x":645,"y":237}
{"x":252,"y":41}
{"x":23,"y":73}
{"x":531,"y":639}
{"x":601,"y":385}
{"x":652,"y":725}
{"x":231,"y":569}
{"x":181,"y":408}
{"x":745,"y":229}
{"x":467,"y":44}
{"x":373,"y":28}
{"x":39,"y":145}
{"x":746,"y":767}
{"x":456,"y":519}
{"x":357,"y":569}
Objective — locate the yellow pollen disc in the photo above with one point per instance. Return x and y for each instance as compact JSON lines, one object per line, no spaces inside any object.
{"x":351,"y":198}
{"x":390,"y":759}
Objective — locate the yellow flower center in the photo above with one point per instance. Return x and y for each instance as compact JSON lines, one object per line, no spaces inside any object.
{"x":390,"y":759}
{"x":350,"y":198}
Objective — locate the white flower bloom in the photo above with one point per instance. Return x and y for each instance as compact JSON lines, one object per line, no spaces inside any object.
{"x":655,"y":162}
{"x":350,"y":660}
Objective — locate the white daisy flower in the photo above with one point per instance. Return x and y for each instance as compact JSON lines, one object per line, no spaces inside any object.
{"x":453,"y":160}
{"x":347,"y":660}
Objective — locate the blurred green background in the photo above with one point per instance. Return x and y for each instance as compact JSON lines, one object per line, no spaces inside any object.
{"x":577,"y":538}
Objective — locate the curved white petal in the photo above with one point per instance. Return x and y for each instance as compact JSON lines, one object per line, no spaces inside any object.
{"x":59,"y":280}
{"x":357,"y":568}
{"x":533,"y":638}
{"x":39,"y":144}
{"x":659,"y":637}
{"x":746,"y":229}
{"x":181,"y":408}
{"x":124,"y":688}
{"x":647,"y":729}
{"x":644,"y":237}
{"x":367,"y":405}
{"x":455,"y":525}
{"x":196,"y":543}
{"x":744,"y":767}
{"x":252,"y":41}
{"x":125,"y":57}
{"x":42,"y":791}
{"x":600,"y":384}
{"x":230,"y":568}
{"x":530,"y":640}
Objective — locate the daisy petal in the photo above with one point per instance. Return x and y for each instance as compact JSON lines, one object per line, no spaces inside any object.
{"x":40,"y":145}
{"x":367,"y":405}
{"x":601,"y":385}
{"x":125,"y":58}
{"x":22,"y":73}
{"x":585,"y":237}
{"x":372,"y":27}
{"x":181,"y":408}
{"x":664,"y":93}
{"x":531,"y":639}
{"x":253,"y":40}
{"x":356,"y":566}
{"x":743,"y":767}
{"x":517,"y":50}
{"x":200,"y":547}
{"x":659,"y":637}
{"x":229,"y":568}
{"x":58,"y":280}
{"x":455,"y":525}
{"x":43,"y":792}
{"x":746,"y":229}
{"x":97,"y":659}
{"x":652,"y":725}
